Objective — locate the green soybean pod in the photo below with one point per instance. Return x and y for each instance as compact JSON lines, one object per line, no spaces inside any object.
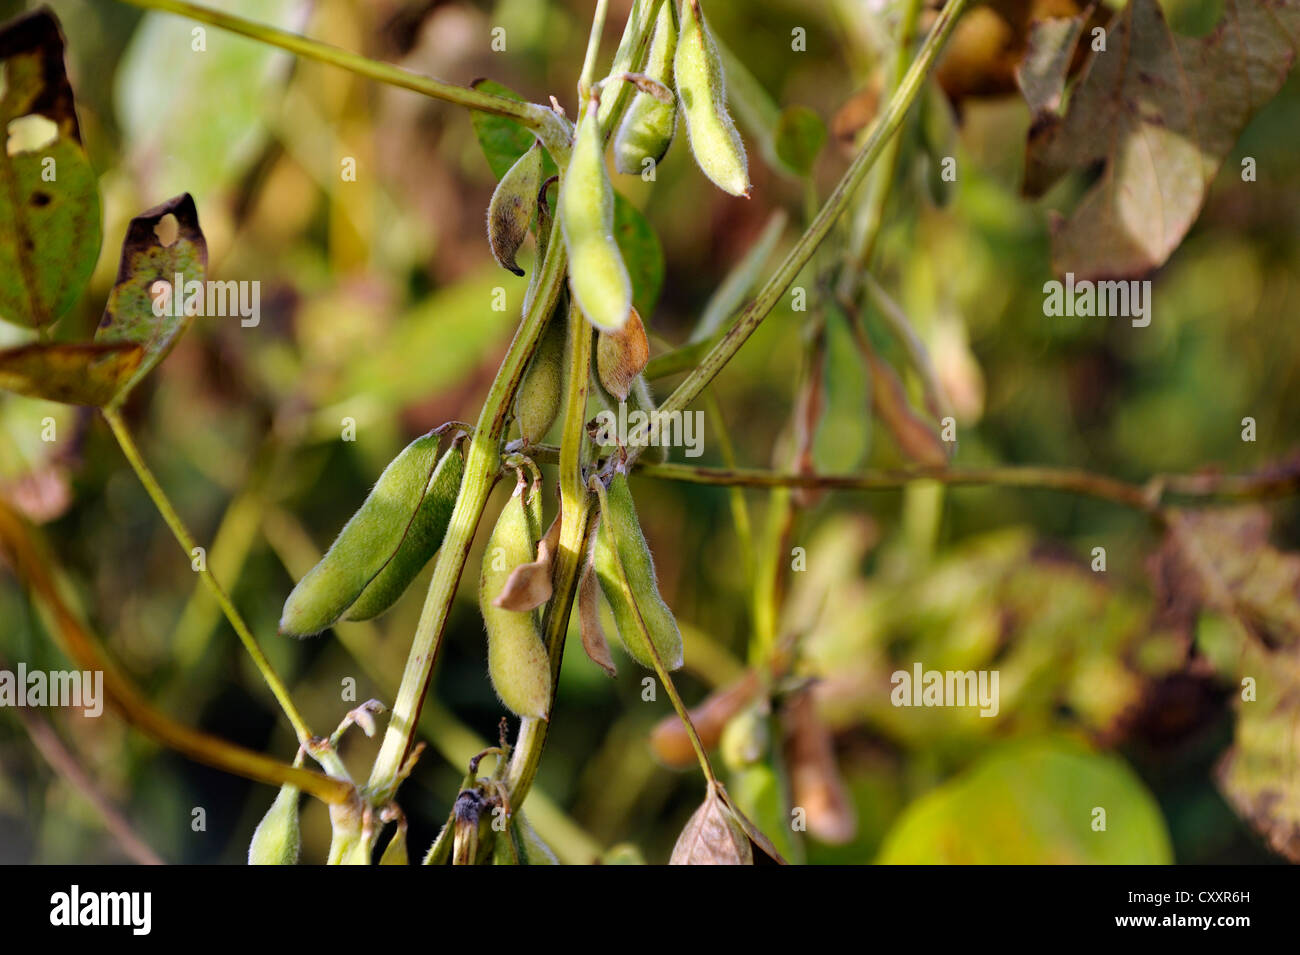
{"x":365,"y":544}
{"x":518,"y":663}
{"x":626,"y":573}
{"x":648,"y":126}
{"x":541,"y":391}
{"x":422,"y":540}
{"x":514,"y":201}
{"x":277,"y":839}
{"x":597,"y":276}
{"x":701,"y":85}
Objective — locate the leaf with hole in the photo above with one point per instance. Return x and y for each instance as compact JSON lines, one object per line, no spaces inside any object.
{"x":49,"y":199}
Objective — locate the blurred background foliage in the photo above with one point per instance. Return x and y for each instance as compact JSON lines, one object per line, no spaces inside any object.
{"x":377,"y":306}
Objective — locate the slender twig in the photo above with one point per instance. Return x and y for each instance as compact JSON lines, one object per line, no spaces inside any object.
{"x":63,"y":762}
{"x":683,"y":712}
{"x":549,"y":127}
{"x":186,"y":540}
{"x":1060,"y":479}
{"x":32,"y":566}
{"x":593,"y":47}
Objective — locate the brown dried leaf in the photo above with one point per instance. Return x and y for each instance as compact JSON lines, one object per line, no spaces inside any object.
{"x":914,"y":436}
{"x":593,"y":635}
{"x":529,"y":585}
{"x":1050,"y":50}
{"x":1222,"y":560}
{"x":669,"y":739}
{"x":713,"y":836}
{"x":622,"y":355}
{"x":1159,"y":112}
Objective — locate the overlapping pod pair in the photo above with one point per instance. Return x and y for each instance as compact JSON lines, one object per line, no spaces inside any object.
{"x":397,"y":529}
{"x":626,"y":573}
{"x":518,"y":663}
{"x":650,"y":122}
{"x":702,"y":88}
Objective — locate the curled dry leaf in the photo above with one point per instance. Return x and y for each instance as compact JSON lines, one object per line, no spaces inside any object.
{"x":529,"y":585}
{"x":914,"y":436}
{"x":622,"y":355}
{"x":815,"y":783}
{"x":593,"y":635}
{"x":713,"y":836}
{"x":669,"y":740}
{"x":1157,"y":113}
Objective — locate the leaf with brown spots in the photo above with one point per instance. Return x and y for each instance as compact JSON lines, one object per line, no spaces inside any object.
{"x":1158,"y":113}
{"x":49,"y":199}
{"x":161,"y":245}
{"x":77,"y":373}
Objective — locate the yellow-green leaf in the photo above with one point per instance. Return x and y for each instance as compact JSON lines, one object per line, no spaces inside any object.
{"x":49,"y":200}
{"x":159,"y":285}
{"x":75,"y":373}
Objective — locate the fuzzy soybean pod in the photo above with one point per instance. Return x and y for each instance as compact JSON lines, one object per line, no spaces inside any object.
{"x":514,"y":201}
{"x":626,"y":573}
{"x":422,"y":540}
{"x":701,"y":85}
{"x":518,"y":663}
{"x":365,"y":545}
{"x":648,"y":126}
{"x":597,"y":276}
{"x":277,"y":839}
{"x":537,"y":402}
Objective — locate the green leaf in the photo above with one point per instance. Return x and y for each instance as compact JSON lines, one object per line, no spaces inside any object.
{"x":192,"y":99}
{"x":503,"y":140}
{"x":79,"y":373}
{"x":800,"y":136}
{"x":163,"y":245}
{"x":642,"y":254}
{"x":1034,"y":803}
{"x":49,"y":200}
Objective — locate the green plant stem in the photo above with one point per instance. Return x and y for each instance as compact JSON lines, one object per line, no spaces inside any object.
{"x":885,"y":127}
{"x":866,"y":230}
{"x":575,"y":504}
{"x":549,"y":127}
{"x":593,"y":48}
{"x":482,"y":464}
{"x":184,"y":538}
{"x":1059,"y":479}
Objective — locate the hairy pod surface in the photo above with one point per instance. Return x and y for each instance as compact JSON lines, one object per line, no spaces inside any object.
{"x":626,"y":574}
{"x":647,"y":128}
{"x":277,"y":839}
{"x":365,"y":545}
{"x":514,"y":201}
{"x":621,"y":356}
{"x":701,"y":85}
{"x":422,"y":540}
{"x":622,"y":56}
{"x":541,"y":392}
{"x":597,"y":274}
{"x":518,"y":663}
